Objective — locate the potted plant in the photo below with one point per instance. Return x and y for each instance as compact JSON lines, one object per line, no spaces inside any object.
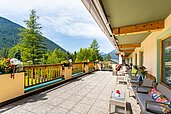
{"x":10,"y":66}
{"x":11,"y":79}
{"x":65,"y":63}
{"x":142,"y":70}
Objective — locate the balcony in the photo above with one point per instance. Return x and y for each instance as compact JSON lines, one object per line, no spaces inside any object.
{"x":88,"y":94}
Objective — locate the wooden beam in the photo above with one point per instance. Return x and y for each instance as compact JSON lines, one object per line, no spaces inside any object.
{"x":140,"y":28}
{"x":129,"y":45}
{"x":128,"y":51}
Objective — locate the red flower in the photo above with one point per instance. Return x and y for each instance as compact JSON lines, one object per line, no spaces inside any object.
{"x":118,"y":92}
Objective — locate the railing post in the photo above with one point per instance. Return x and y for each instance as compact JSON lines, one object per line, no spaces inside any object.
{"x":67,"y":73}
{"x":86,"y":68}
{"x":98,"y":66}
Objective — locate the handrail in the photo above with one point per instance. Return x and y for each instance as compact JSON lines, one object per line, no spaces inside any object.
{"x":45,"y":65}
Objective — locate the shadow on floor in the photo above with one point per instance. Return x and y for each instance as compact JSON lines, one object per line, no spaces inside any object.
{"x":30,"y":99}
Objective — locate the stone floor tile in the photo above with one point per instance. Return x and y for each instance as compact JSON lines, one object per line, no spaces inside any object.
{"x":75,"y":98}
{"x":58,"y":110}
{"x":65,"y":95}
{"x":81,"y":108}
{"x":97,"y":110}
{"x":68,"y":104}
{"x":18,"y":111}
{"x":42,"y":109}
{"x":72,"y":112}
{"x":88,"y":100}
{"x":55,"y":101}
{"x":92,"y":95}
{"x":101,"y":104}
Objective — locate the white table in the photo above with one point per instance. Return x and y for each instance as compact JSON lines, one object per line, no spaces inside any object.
{"x":117,"y":101}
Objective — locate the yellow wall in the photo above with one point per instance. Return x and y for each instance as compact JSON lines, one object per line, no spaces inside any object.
{"x":150,"y":53}
{"x":137,"y":51}
{"x":149,"y":47}
{"x":11,"y":88}
{"x":68,"y":73}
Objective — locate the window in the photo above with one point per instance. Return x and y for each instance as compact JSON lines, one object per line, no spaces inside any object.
{"x":166,"y":61}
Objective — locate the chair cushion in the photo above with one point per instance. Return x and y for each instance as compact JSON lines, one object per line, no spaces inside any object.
{"x":147,"y":82}
{"x":163,"y":99}
{"x":154,"y":93}
{"x":141,"y":89}
{"x":142,"y":100}
{"x":158,"y":97}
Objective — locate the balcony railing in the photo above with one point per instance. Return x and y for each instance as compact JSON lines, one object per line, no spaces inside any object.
{"x":91,"y":66}
{"x":77,"y":68}
{"x":38,"y":74}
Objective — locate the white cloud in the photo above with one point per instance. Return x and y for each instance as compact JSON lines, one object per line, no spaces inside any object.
{"x":67,"y":25}
{"x":67,"y":17}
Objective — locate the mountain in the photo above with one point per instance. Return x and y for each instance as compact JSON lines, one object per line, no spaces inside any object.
{"x":9,"y":35}
{"x":103,"y":54}
{"x":112,"y":54}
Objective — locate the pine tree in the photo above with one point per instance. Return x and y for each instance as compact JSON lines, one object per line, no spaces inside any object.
{"x":95,"y":45}
{"x":4,"y":52}
{"x":31,"y":44}
{"x":94,"y":49}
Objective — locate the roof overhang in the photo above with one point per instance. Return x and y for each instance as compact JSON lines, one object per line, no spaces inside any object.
{"x":127,"y":23}
{"x":95,"y":9}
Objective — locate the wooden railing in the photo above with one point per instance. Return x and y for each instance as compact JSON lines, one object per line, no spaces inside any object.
{"x":91,"y":66}
{"x":77,"y":67}
{"x":41,"y":73}
{"x":38,"y":74}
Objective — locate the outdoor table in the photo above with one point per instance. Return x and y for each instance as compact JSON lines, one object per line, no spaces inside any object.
{"x":117,"y":101}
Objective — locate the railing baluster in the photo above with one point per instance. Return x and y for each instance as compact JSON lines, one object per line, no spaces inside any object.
{"x":38,"y":73}
{"x":28,"y":77}
{"x":35,"y":75}
{"x":32,"y":74}
{"x":42,"y":74}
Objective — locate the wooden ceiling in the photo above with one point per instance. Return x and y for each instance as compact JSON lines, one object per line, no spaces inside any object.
{"x":133,"y":20}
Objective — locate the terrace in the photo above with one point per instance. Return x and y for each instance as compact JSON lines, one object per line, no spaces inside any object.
{"x":88,"y":94}
{"x":146,"y":22}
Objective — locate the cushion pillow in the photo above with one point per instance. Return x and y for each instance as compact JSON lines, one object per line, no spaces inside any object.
{"x":163,"y":99}
{"x":158,"y":97}
{"x":154,"y":93}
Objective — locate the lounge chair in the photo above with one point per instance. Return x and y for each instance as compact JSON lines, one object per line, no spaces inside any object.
{"x":149,"y":106}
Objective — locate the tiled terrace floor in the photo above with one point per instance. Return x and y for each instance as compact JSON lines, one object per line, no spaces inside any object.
{"x":88,"y":95}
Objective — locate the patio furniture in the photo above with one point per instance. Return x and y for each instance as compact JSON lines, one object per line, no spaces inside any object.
{"x":117,"y":101}
{"x":121,"y":78}
{"x":149,"y":105}
{"x":145,"y":87}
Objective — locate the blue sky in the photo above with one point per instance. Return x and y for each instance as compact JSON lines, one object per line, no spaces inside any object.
{"x":66,"y":22}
